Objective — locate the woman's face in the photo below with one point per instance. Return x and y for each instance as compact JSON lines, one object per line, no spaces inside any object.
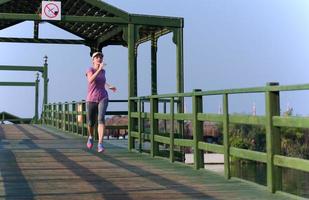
{"x":97,"y":60}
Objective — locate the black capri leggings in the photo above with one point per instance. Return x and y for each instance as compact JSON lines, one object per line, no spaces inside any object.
{"x":96,"y":111}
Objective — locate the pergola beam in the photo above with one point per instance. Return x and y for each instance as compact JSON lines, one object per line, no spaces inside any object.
{"x":64,"y":18}
{"x":41,"y":40}
{"x":17,"y":83}
{"x":109,"y":35}
{"x":112,"y":9}
{"x":21,"y":68}
{"x":134,"y":19}
{"x":156,"y":20}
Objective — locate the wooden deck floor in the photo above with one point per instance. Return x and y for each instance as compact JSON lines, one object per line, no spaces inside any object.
{"x":40,"y":164}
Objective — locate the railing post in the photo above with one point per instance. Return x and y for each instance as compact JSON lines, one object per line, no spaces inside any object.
{"x":154,"y":149}
{"x":197,"y":129}
{"x":73,"y":117}
{"x":273,"y":140}
{"x":172,"y":131}
{"x":84,"y":121}
{"x":164,"y":111}
{"x":54,"y":115}
{"x":59,"y":115}
{"x":65,"y":116}
{"x":49,"y":120}
{"x":139,"y":126}
{"x":226,"y":137}
{"x":36,"y":110}
{"x":78,"y":118}
{"x":130,"y":124}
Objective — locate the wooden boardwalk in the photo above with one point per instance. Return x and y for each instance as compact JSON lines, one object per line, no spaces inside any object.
{"x":40,"y":164}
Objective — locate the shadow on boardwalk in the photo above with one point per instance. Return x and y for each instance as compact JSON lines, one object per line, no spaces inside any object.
{"x":40,"y":164}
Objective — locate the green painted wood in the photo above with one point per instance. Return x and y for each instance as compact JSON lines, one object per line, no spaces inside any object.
{"x":162,"y":139}
{"x":288,"y":87}
{"x":172,"y":130}
{"x":154,"y":128}
{"x":46,"y":80}
{"x":154,"y":49}
{"x":35,"y":30}
{"x":247,"y":119}
{"x":109,"y":8}
{"x":42,"y":40}
{"x":156,"y":35}
{"x":163,"y":116}
{"x":183,"y":142}
{"x":21,"y":68}
{"x":248,"y":154}
{"x":17,"y":84}
{"x":210,"y":117}
{"x":178,"y":40}
{"x":197,"y":130}
{"x":65,"y":117}
{"x":110,"y":34}
{"x":157,"y":20}
{"x":273,"y":139}
{"x":211,"y":147}
{"x":287,"y":121}
{"x":131,"y":79}
{"x":134,"y":114}
{"x":73,"y":117}
{"x":293,"y":163}
{"x":36,"y":104}
{"x":146,"y":137}
{"x":183,"y":116}
{"x":234,"y":91}
{"x":226,"y":138}
{"x":64,"y":18}
{"x":140,"y":124}
{"x":135,"y":134}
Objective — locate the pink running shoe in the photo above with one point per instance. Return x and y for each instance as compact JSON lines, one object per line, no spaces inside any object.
{"x":90,"y":143}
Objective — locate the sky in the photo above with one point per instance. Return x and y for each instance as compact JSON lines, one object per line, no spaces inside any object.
{"x":227,"y":44}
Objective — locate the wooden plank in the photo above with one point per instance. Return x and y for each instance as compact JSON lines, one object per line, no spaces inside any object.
{"x":248,"y":154}
{"x":297,"y":122}
{"x":183,"y":142}
{"x":210,"y":117}
{"x":247,"y":119}
{"x":162,"y":139}
{"x":211,"y":147}
{"x":48,"y":168}
{"x":293,"y":163}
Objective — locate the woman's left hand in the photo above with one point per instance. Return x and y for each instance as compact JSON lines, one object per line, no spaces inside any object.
{"x":112,"y":88}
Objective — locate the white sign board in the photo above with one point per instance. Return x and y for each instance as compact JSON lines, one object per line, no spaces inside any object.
{"x":51,"y":10}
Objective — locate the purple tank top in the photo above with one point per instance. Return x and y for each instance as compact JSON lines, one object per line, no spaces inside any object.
{"x":96,"y":89}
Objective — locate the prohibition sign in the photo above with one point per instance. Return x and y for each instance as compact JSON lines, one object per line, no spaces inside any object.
{"x":51,"y":10}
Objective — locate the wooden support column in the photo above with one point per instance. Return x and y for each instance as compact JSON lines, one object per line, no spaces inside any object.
{"x":154,"y":49}
{"x":132,"y":79}
{"x":45,"y":77}
{"x":178,"y":40}
{"x":36,"y":115}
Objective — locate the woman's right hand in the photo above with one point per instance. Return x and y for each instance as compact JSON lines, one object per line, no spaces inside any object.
{"x":100,"y":67}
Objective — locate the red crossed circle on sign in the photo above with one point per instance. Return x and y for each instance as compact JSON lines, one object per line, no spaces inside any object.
{"x":51,"y":10}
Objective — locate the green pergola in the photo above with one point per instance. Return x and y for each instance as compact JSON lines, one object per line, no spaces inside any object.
{"x":99,"y":24}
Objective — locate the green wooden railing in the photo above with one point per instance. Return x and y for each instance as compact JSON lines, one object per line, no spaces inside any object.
{"x":272,"y":121}
{"x":71,"y":116}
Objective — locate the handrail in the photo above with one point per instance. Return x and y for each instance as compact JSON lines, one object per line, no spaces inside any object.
{"x":71,"y":116}
{"x":272,"y":121}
